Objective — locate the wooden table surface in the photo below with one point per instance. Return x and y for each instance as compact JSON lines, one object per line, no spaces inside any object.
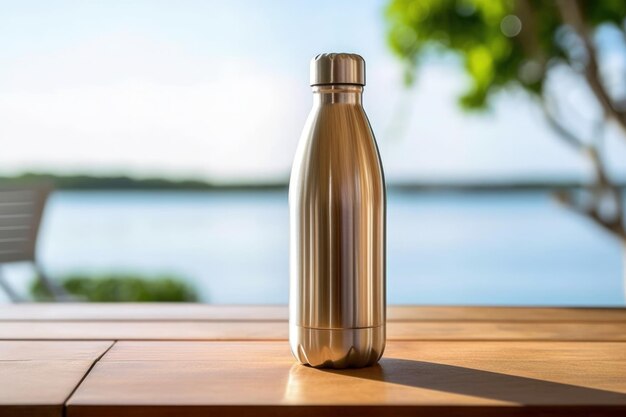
{"x":198,"y":360}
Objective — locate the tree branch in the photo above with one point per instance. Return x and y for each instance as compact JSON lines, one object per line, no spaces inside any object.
{"x":602,"y":184}
{"x":563,"y":133}
{"x":614,"y":227}
{"x":528,"y":35}
{"x":572,"y":15}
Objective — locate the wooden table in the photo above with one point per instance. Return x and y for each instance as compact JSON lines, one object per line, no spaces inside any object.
{"x":200,"y":360}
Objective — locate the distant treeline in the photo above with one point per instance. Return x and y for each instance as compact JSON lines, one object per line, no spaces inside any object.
{"x":95,"y":183}
{"x":121,"y":182}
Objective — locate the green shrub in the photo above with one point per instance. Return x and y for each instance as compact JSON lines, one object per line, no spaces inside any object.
{"x":121,"y":287}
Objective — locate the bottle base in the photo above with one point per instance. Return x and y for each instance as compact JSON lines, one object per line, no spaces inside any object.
{"x":337,"y":348}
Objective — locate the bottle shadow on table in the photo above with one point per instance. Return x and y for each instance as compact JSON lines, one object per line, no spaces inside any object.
{"x":485,"y":384}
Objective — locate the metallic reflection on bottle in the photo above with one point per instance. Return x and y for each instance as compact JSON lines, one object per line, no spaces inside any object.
{"x":337,"y":225}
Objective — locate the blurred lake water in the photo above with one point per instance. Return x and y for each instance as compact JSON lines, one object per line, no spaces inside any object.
{"x":516,"y":248}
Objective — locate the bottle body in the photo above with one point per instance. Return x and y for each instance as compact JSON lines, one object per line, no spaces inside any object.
{"x":337,"y":235}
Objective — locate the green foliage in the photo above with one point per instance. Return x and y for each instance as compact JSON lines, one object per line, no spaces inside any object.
{"x":122,"y":288}
{"x":501,"y":42}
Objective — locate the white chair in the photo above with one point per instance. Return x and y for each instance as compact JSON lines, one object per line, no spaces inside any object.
{"x":21,"y":209}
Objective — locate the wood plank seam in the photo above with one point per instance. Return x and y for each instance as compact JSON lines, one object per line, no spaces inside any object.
{"x":262,"y":320}
{"x":273,"y":339}
{"x":85,"y":376}
{"x":276,"y":313}
{"x":144,"y":330}
{"x":235,"y":339}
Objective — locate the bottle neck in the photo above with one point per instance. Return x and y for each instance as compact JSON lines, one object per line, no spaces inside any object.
{"x":337,"y":93}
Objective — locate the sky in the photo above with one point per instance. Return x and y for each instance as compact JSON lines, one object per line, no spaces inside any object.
{"x":219,"y":91}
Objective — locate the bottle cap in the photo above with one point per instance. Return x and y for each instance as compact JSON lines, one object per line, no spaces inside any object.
{"x":337,"y":69}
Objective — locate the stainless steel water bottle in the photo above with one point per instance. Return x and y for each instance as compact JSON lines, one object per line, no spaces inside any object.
{"x":337,"y":222}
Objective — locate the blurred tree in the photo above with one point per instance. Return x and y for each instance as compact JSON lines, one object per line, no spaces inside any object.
{"x":121,"y":288}
{"x":526,"y":43}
